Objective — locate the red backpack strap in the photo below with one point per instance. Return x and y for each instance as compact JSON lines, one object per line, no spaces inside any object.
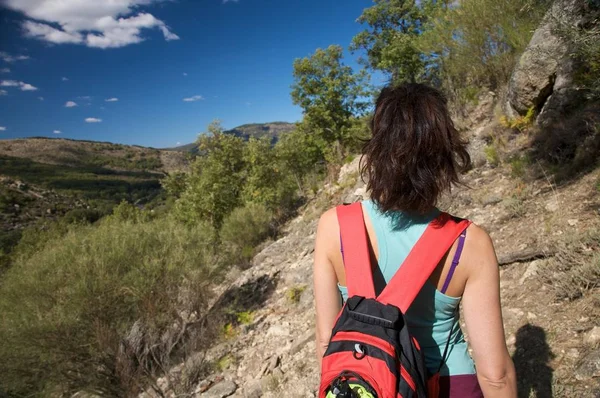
{"x":355,"y":247}
{"x":422,"y":260}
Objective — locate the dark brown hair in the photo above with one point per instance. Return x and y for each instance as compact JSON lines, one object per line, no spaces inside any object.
{"x":415,"y":153}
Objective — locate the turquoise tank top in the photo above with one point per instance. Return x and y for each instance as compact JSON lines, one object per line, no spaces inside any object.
{"x":433,"y":316}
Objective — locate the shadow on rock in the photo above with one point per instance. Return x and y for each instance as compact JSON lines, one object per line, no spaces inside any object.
{"x":531,"y":358}
{"x":243,"y":299}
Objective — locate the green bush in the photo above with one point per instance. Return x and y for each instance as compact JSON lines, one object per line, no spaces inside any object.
{"x":244,"y":229}
{"x":518,"y":166}
{"x":491,"y":154}
{"x":93,"y":309}
{"x":85,"y":216}
{"x":477,"y":42}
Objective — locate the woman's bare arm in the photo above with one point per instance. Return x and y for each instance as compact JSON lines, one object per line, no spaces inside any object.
{"x":483,"y":317}
{"x":327,"y":297}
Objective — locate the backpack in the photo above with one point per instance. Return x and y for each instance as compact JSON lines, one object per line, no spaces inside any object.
{"x":371,"y":352}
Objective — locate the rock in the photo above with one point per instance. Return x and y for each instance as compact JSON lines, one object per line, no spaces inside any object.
{"x":203,"y":386}
{"x":277,"y":330}
{"x":348,"y":169}
{"x":491,"y":200}
{"x":359,"y":193}
{"x":589,"y":366}
{"x":545,"y":68}
{"x":552,"y":206}
{"x":572,"y":222}
{"x":222,"y":389}
{"x":531,"y":270}
{"x":512,"y":340}
{"x":301,"y":342}
{"x":531,"y":316}
{"x":573,"y":353}
{"x":593,"y":336}
{"x":254,"y":390}
{"x":273,"y":363}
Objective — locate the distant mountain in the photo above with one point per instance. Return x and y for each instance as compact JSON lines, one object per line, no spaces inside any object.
{"x":81,"y":153}
{"x":259,"y":130}
{"x":272,"y":131}
{"x":49,"y":177}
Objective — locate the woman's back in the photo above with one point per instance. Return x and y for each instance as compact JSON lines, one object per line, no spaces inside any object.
{"x":414,"y":155}
{"x":433,"y":316}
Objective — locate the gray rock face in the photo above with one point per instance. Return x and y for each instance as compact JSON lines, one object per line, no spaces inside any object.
{"x":589,"y":366}
{"x":222,"y":389}
{"x":543,"y":77}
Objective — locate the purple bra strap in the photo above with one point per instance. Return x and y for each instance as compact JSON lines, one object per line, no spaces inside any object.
{"x":455,"y":260}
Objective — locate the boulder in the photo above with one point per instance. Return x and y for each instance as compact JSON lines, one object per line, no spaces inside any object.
{"x":222,"y":389}
{"x":543,"y":76}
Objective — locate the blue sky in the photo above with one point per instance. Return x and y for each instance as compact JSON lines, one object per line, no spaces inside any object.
{"x":128,"y":65}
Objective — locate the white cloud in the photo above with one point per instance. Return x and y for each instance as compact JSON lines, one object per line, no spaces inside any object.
{"x":70,"y":104}
{"x":2,"y":128}
{"x":4,"y":70}
{"x":92,"y":120}
{"x":178,"y":143}
{"x":64,"y":79}
{"x":28,"y":87}
{"x":100,"y":23}
{"x":41,"y":98}
{"x":22,"y":85}
{"x":85,"y":97}
{"x":6,"y":57}
{"x":230,"y":1}
{"x":3,"y":92}
{"x":184,"y":74}
{"x":193,"y":98}
{"x":57,"y":132}
{"x":111,"y":99}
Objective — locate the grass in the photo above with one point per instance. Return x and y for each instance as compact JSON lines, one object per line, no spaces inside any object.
{"x":575,"y":269}
{"x":225,"y":362}
{"x":245,"y":317}
{"x":271,"y":383}
{"x":519,"y":165}
{"x":491,"y":154}
{"x":294,"y":294}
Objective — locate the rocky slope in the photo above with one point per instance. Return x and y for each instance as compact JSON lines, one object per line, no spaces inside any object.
{"x":547,"y":237}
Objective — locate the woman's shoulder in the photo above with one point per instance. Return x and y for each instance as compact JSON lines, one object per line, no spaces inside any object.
{"x":478,"y":250}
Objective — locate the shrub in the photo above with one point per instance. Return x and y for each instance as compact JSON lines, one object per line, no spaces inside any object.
{"x":295,"y":293}
{"x":491,"y":154}
{"x":477,"y":42}
{"x":85,"y":216}
{"x":520,"y":123}
{"x":244,"y":229}
{"x":245,"y":317}
{"x":98,"y":309}
{"x":575,"y":269}
{"x":518,"y":166}
{"x":127,"y":212}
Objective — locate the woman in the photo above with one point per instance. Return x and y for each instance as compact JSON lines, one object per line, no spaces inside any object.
{"x":413,"y":156}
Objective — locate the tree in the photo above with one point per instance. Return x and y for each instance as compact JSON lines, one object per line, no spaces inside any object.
{"x":298,"y":154}
{"x":390,"y":39}
{"x":475,"y":44}
{"x":216,"y":180}
{"x":330,"y":94}
{"x":267,"y":183}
